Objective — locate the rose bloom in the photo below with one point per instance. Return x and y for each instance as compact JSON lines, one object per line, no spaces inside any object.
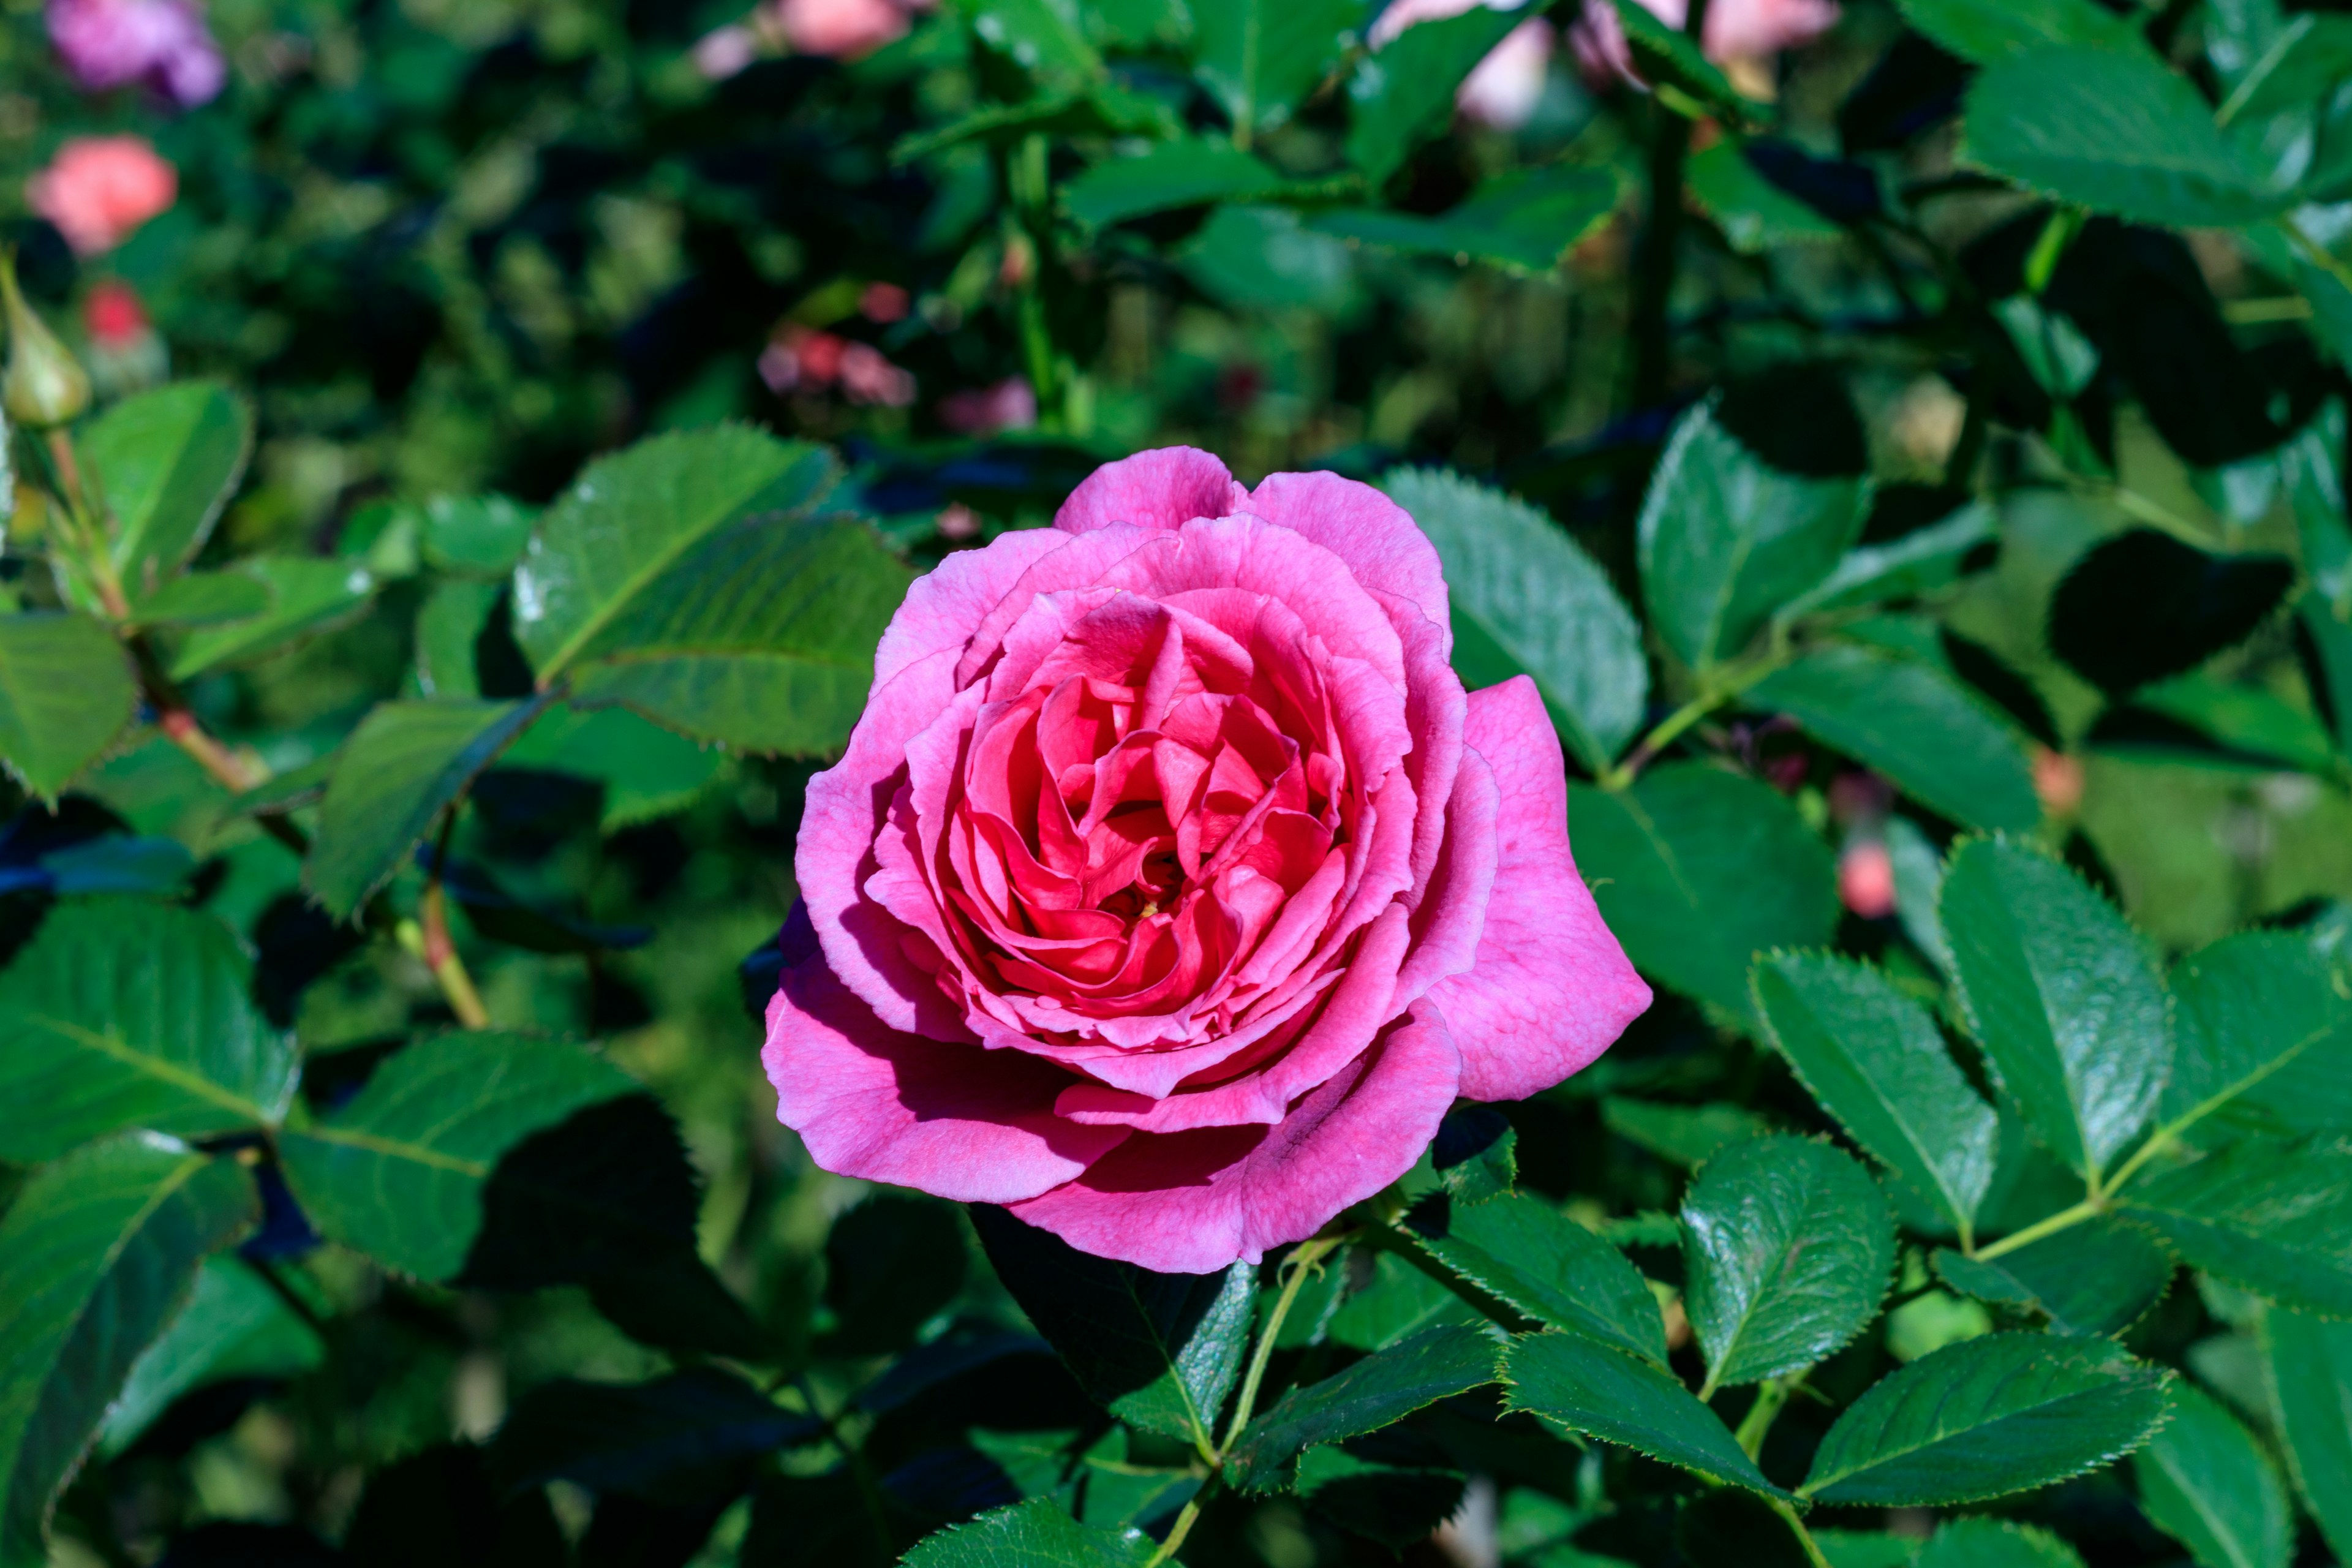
{"x":1734,"y":30}
{"x":98,"y":189}
{"x":162,"y":43}
{"x":1171,"y":887}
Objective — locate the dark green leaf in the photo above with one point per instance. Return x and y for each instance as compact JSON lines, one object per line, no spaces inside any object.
{"x":2115,"y":130}
{"x":1696,"y":870}
{"x":2244,"y":722}
{"x":890,"y":1263}
{"x":168,"y":461}
{"x":1096,"y":109}
{"x":2262,"y":1034}
{"x":1726,"y":541}
{"x":1913,"y":724}
{"x":647,"y":771}
{"x":474,"y":533}
{"x":1388,"y":1498}
{"x":1398,"y":1300}
{"x":1161,"y":1351}
{"x":97,"y":1253}
{"x":405,"y":765}
{"x":1578,"y":1384}
{"x":2094,"y":1279}
{"x":204,"y":599}
{"x":1264,"y":258}
{"x":1402,"y":95}
{"x":1042,"y":37}
{"x":1983,"y":31}
{"x":1527,"y":1255}
{"x":1033,"y":1534}
{"x":234,"y":1326}
{"x":1525,"y":597}
{"x":1786,"y":1251}
{"x":1522,"y":222}
{"x":1754,"y":214}
{"x":2207,"y":1484}
{"x":2311,"y":1376}
{"x":1666,"y":57}
{"x":1995,"y":1543}
{"x":2060,"y":994}
{"x":1172,"y":174}
{"x":129,"y":1013}
{"x":1476,"y":1154}
{"x":1258,"y":58}
{"x":447,"y":628}
{"x":2274,"y":1217}
{"x":399,"y":1172}
{"x":1684,"y":1135}
{"x":1987,"y":1417}
{"x":306,"y":596}
{"x":1876,"y":1060}
{"x":65,"y":692}
{"x":653,"y":1440}
{"x":1376,"y":1392}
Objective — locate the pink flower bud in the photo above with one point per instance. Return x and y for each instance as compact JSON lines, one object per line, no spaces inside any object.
{"x":1865,"y":875}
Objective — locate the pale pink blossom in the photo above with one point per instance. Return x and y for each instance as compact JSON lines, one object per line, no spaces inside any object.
{"x":868,"y":377}
{"x":1735,"y":30}
{"x":725,"y":52}
{"x":164,"y":44}
{"x":1171,"y":887}
{"x":1865,"y":877}
{"x":843,"y":29}
{"x":98,"y":189}
{"x":1007,"y":404}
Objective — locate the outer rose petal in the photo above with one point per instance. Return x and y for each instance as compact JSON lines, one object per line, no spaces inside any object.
{"x":1551,"y":989}
{"x":948,"y":603}
{"x":1190,"y":1203}
{"x":1166,"y":488}
{"x":1385,"y":550}
{"x":956,"y":1121}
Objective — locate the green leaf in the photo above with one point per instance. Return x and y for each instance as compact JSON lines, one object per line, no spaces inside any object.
{"x":2262,"y":1035}
{"x":1696,"y":870}
{"x":129,"y":1013}
{"x":1994,"y":1543}
{"x":1523,"y":221}
{"x":2096,"y":1279}
{"x":167,"y":462}
{"x":1984,"y":31}
{"x":1913,"y":724}
{"x":405,"y":763}
{"x":1160,"y":1351}
{"x":235,"y":1326}
{"x":2274,"y":1217}
{"x":1177,"y":173}
{"x":2113,"y":130}
{"x":1754,"y":214}
{"x":65,"y":692}
{"x":1920,"y":562}
{"x":1259,"y":58}
{"x":398,"y":1173}
{"x":2310,"y":1363}
{"x":1033,"y":1534}
{"x":2207,"y":1483}
{"x":1527,"y":598}
{"x":1666,"y":57}
{"x":1788,"y":1249}
{"x":2060,"y":994}
{"x":447,"y":630}
{"x":1726,"y":541}
{"x":1403,"y":94}
{"x":1876,"y":1060}
{"x":97,"y":1254}
{"x":1536,"y":1260}
{"x":621,"y":544}
{"x":1918,"y":888}
{"x":484,"y":534}
{"x":1098,"y":109}
{"x":1042,"y":37}
{"x":656,"y":1440}
{"x":1577,"y":1384}
{"x":647,"y":771}
{"x":1987,"y":1416}
{"x":890,"y":1264}
{"x":306,"y":596}
{"x":1400,"y":1299}
{"x":1684,"y":1135}
{"x":204,"y":599}
{"x":1377,"y":1391}
{"x":2251,"y":723}
{"x":1264,"y":258}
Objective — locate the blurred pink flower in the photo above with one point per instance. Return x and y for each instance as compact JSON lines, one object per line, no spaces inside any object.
{"x":1735,"y":29}
{"x":884,"y":303}
{"x":726,"y":51}
{"x":1009,"y":404}
{"x":843,"y":29}
{"x":799,"y":360}
{"x":868,"y":377}
{"x":1503,"y":92}
{"x":112,"y":315}
{"x":1866,"y":874}
{"x":98,"y":189}
{"x":162,"y":43}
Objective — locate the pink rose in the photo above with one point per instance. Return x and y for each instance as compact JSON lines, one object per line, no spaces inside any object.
{"x":1735,"y":29}
{"x":1171,"y":887}
{"x":843,"y":29}
{"x":162,"y":43}
{"x":1007,"y":404}
{"x":98,"y":189}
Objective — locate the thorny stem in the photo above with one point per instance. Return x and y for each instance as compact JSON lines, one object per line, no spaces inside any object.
{"x":2064,"y":1219}
{"x":439,"y":951}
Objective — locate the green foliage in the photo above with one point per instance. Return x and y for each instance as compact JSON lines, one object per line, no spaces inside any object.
{"x":2275,"y":1219}
{"x":1034,"y":1535}
{"x":1534,"y":1261}
{"x":65,"y":694}
{"x":2096,"y":1279}
{"x":1578,"y":1385}
{"x":170,"y":461}
{"x":1377,"y":1391}
{"x":235,"y":1325}
{"x":2310,"y":1367}
{"x":2207,"y":1483}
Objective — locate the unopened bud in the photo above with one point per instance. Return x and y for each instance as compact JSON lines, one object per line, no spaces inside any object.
{"x":43,"y":386}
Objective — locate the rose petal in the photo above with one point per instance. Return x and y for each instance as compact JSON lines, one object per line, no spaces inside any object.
{"x":954,"y":1121}
{"x":1385,"y":550}
{"x":1164,"y":489}
{"x":1190,"y":1203}
{"x":1551,"y":989}
{"x":948,"y":603}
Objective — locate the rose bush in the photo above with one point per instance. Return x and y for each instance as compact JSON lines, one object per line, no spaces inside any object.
{"x":1172,"y":888}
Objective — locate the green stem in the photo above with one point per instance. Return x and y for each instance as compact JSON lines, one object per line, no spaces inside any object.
{"x":2064,"y":1219}
{"x":1771,"y":1396}
{"x":1670,"y":729}
{"x":1182,"y":1528}
{"x":1804,"y":1537}
{"x":1297,"y":1266}
{"x":2316,"y":253}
